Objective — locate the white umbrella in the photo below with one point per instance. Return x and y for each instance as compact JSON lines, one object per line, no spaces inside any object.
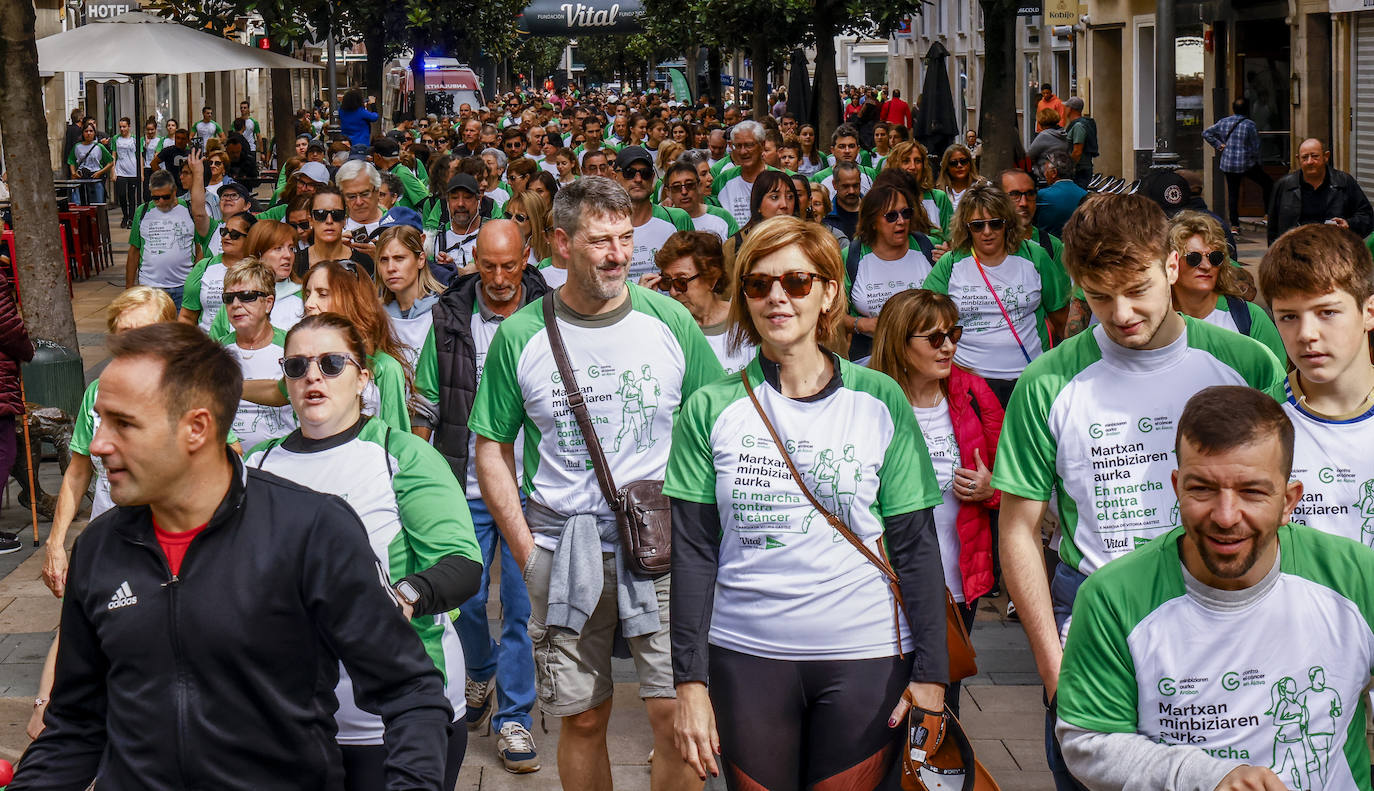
{"x":139,"y":43}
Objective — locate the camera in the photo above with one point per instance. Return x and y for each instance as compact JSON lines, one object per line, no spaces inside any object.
{"x":361,"y":236}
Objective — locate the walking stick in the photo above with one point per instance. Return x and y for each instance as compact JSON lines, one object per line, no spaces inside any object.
{"x":28,"y":462}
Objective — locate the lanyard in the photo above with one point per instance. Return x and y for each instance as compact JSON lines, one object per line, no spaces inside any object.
{"x":1000,"y":307}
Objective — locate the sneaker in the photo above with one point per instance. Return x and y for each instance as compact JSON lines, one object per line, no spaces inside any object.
{"x":1011,"y":612}
{"x":9,"y":542}
{"x":516,"y":748}
{"x":481,"y":701}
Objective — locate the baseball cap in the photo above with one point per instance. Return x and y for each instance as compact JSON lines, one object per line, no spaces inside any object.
{"x":1167,"y":188}
{"x":397,"y":135}
{"x":632,"y":154}
{"x":358,"y":151}
{"x":463,"y":181}
{"x":242,"y":190}
{"x":400,"y":215}
{"x":1074,"y":103}
{"x":385,"y":146}
{"x":316,"y":145}
{"x":315,"y":171}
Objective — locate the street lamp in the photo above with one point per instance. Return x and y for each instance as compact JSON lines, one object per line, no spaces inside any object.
{"x":1166,"y":102}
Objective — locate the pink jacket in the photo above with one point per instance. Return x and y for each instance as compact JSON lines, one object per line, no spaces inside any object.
{"x":977,"y":418}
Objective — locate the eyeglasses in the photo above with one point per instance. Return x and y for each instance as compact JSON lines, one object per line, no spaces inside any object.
{"x":961,"y":162}
{"x":978,"y":226}
{"x":683,"y":186}
{"x":244,"y":296}
{"x":1017,"y":195}
{"x":937,"y":339}
{"x":352,"y":196}
{"x":163,"y":196}
{"x":337,"y":215}
{"x":215,"y":163}
{"x":796,"y":284}
{"x":668,"y":284}
{"x":644,"y":173}
{"x":303,"y":225}
{"x":896,"y":214}
{"x":1216,"y":258}
{"x":225,"y":232}
{"x":331,"y":365}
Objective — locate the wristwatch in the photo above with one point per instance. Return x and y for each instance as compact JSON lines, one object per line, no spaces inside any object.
{"x":407,"y":592}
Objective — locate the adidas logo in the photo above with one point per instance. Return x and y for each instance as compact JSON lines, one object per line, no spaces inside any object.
{"x":123,"y":597}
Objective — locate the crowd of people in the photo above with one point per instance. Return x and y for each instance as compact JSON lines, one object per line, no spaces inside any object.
{"x":857,"y":376}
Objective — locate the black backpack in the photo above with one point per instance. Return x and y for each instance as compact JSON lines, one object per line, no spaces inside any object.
{"x":1240,"y":314}
{"x":1090,"y":141}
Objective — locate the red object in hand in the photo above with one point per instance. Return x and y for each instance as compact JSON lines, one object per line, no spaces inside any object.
{"x":6,"y":772}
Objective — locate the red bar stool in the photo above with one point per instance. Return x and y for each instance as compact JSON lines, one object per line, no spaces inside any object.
{"x":76,"y":243}
{"x":8,"y":237}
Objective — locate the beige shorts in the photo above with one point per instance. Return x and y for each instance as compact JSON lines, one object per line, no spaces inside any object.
{"x":573,"y":671}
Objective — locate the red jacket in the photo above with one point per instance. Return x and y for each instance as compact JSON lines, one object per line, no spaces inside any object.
{"x":895,"y":111}
{"x":15,"y":348}
{"x":977,"y":418}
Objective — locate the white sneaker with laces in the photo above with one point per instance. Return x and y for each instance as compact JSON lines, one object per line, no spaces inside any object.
{"x":516,"y":748}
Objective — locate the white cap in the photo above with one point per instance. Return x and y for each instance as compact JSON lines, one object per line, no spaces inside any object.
{"x":315,"y":171}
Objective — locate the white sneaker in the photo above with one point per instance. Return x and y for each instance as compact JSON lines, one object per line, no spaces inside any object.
{"x":516,"y":748}
{"x":481,"y":701}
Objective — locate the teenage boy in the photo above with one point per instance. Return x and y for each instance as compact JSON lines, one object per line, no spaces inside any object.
{"x":1320,"y":284}
{"x":1093,"y":421}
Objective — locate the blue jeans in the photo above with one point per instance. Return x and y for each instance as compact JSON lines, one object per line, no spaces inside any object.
{"x":511,"y":661}
{"x":176,"y":295}
{"x":1063,"y":590}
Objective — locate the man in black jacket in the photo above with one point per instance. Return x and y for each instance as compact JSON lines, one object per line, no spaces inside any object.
{"x":206,"y":617}
{"x":1318,"y":193}
{"x":500,"y":683}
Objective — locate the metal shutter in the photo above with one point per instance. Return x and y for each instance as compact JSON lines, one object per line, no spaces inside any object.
{"x":1362,"y":101}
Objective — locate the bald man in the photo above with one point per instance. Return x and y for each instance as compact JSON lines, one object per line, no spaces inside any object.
{"x":1318,"y":193}
{"x":500,"y":675}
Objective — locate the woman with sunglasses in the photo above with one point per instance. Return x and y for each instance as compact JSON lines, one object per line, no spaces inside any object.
{"x":1208,"y":286}
{"x":273,"y":244}
{"x":200,"y":300}
{"x":408,"y":500}
{"x":957,"y":172}
{"x":249,"y":293}
{"x":518,"y":174}
{"x":961,"y":421}
{"x":328,"y":216}
{"x":409,"y":289}
{"x":772,"y":195}
{"x":890,"y":253}
{"x":219,"y":176}
{"x":531,"y":213}
{"x":298,"y":217}
{"x":910,"y":156}
{"x":761,"y":581}
{"x":1008,"y":303}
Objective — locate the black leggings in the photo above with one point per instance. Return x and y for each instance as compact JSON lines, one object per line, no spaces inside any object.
{"x":124,"y":191}
{"x":788,"y":725}
{"x":364,"y":765}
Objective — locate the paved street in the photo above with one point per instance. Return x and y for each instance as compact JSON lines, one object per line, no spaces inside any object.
{"x":1002,"y":708}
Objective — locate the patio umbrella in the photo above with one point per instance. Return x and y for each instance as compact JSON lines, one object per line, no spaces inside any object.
{"x":139,"y":44}
{"x":935,"y":124}
{"x":799,"y":89}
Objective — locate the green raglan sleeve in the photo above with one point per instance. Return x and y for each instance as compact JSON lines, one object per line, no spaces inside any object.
{"x":136,"y":232}
{"x":1250,"y":358}
{"x":691,"y":471}
{"x":1026,"y":450}
{"x":731,"y":226}
{"x":277,"y":213}
{"x":1054,"y":283}
{"x":203,"y":240}
{"x":71,"y":157}
{"x":433,"y":509}
{"x":427,"y":383}
{"x":191,"y":294}
{"x":220,"y":328}
{"x":105,"y":156}
{"x":938,"y":279}
{"x":84,"y":430}
{"x":1097,"y":684}
{"x":906,"y":481}
{"x":391,"y":384}
{"x":413,"y":192}
{"x":433,"y":220}
{"x":1263,"y":330}
{"x":281,"y":185}
{"x":499,"y":408}
{"x":681,"y":220}
{"x":946,"y":207}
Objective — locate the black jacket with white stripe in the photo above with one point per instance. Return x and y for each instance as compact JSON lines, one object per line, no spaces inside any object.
{"x":222,"y":676}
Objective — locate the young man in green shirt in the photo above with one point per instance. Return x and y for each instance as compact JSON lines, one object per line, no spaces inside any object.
{"x":1092,"y":421}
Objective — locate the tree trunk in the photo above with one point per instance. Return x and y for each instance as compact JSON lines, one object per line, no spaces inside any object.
{"x":827,"y":92}
{"x":713,"y":78}
{"x":759,"y":58}
{"x":283,"y":113}
{"x":374,"y":71}
{"x":47,"y":306}
{"x":417,"y":71}
{"x":692,"y":58}
{"x":997,"y":113}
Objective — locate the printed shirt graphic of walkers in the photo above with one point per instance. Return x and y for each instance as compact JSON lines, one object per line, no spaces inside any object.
{"x":639,"y":403}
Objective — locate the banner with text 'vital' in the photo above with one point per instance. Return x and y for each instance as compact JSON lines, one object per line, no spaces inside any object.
{"x":559,"y":18}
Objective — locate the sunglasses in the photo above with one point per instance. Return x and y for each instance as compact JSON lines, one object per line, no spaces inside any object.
{"x":685,"y":186}
{"x":978,"y":226}
{"x":645,"y":173}
{"x":245,"y":297}
{"x":520,"y":218}
{"x":795,"y":284}
{"x":667,"y":284}
{"x":303,"y":225}
{"x":164,"y":196}
{"x":896,"y":214}
{"x":937,"y":339}
{"x":331,"y":365}
{"x":1216,"y":258}
{"x":958,"y":163}
{"x":337,"y":215}
{"x":225,"y":232}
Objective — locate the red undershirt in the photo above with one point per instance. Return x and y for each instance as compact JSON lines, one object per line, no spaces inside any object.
{"x":174,"y":545}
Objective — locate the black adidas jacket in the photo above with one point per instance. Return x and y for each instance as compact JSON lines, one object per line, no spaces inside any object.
{"x":223,"y":677}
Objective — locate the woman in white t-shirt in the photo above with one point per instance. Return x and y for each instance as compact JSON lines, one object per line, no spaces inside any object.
{"x":126,"y":170}
{"x":691,"y":270}
{"x":530,"y":211}
{"x":957,"y":172}
{"x":248,"y":296}
{"x":409,"y":290}
{"x":961,"y":422}
{"x":885,"y":257}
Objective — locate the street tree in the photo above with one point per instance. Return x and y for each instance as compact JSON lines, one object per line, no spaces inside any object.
{"x":997,"y":111}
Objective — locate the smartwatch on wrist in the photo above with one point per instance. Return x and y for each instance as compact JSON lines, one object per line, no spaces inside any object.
{"x":407,"y":592}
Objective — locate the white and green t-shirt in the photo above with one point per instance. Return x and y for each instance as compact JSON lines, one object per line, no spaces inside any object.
{"x":126,"y":156}
{"x":554,"y":276}
{"x":1331,"y":456}
{"x":719,"y":337}
{"x":878,"y":278}
{"x":717,"y":221}
{"x":413,"y":326}
{"x":1273,"y":683}
{"x":412,"y":508}
{"x":91,"y":156}
{"x":1027,"y":288}
{"x":826,"y":178}
{"x":652,"y":235}
{"x":87,"y":422}
{"x":204,"y":290}
{"x":251,"y":130}
{"x":1094,"y":422}
{"x":166,"y":242}
{"x":208,"y":129}
{"x":632,"y":392}
{"x":937,"y":427}
{"x":255,"y":423}
{"x":732,"y":191}
{"x":287,"y":308}
{"x":860,"y":454}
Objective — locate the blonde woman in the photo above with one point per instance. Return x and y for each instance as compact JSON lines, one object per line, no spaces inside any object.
{"x":957,"y":172}
{"x":910,"y":156}
{"x":530,"y":211}
{"x":409,"y":290}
